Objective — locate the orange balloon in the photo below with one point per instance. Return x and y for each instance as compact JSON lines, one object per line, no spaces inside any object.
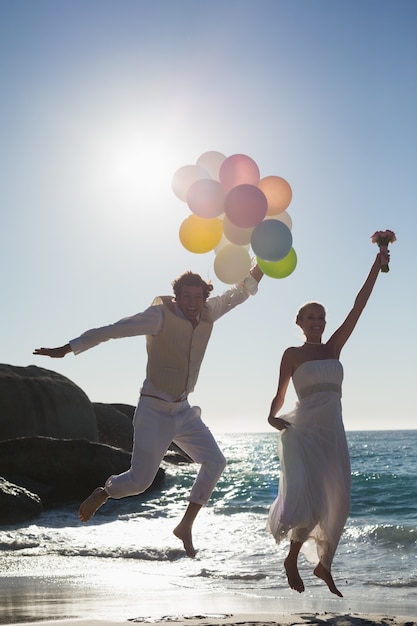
{"x":198,"y":234}
{"x":278,"y":193}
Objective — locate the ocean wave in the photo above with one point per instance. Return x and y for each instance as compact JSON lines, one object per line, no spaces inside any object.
{"x":395,"y":584}
{"x":245,"y":577}
{"x":16,"y":545}
{"x":235,"y":576}
{"x":396,"y":535}
{"x":38,"y":548}
{"x":144,"y":554}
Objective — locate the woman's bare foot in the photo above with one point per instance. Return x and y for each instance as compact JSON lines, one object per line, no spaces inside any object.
{"x":90,"y":505}
{"x":321,"y":572}
{"x":294,"y":579}
{"x":184,"y":534}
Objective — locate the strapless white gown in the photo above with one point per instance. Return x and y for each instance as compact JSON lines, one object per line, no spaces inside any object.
{"x":314,"y":485}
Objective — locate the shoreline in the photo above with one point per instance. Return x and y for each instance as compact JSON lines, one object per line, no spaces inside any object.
{"x":74,"y":601}
{"x":242,"y":619}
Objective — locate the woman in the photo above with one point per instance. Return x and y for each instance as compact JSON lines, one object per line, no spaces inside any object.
{"x":314,"y":488}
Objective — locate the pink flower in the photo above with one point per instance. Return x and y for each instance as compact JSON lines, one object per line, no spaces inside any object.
{"x":383,"y":238}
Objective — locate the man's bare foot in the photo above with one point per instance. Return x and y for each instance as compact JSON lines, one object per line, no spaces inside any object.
{"x":184,"y":534}
{"x":321,"y":572}
{"x":90,"y":505}
{"x":294,"y":579}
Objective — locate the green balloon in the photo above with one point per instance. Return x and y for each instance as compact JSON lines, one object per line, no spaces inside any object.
{"x":279,"y":269}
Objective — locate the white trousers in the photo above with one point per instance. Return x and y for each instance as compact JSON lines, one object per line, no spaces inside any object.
{"x":156,"y":425}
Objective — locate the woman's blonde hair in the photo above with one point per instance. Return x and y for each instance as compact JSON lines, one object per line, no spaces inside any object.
{"x":302,"y":310}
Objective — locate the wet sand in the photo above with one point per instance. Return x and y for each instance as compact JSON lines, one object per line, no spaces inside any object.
{"x":66,"y":601}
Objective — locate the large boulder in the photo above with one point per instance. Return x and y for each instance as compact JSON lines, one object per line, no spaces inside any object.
{"x":17,"y":504}
{"x":65,"y":469}
{"x":55,"y":445}
{"x":127,"y":409}
{"x":37,"y":401}
{"x":114,"y":427}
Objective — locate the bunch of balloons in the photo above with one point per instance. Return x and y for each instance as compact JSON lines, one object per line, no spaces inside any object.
{"x":233,"y":209}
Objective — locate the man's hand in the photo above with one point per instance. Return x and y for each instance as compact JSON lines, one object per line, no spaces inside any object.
{"x":55,"y":353}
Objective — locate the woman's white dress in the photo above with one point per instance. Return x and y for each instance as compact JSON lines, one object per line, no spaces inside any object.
{"x":314,"y":486}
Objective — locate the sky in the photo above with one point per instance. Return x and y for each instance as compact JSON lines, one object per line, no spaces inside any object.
{"x":103,"y":101}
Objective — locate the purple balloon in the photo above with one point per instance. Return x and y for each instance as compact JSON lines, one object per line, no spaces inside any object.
{"x":205,"y":197}
{"x":245,"y":206}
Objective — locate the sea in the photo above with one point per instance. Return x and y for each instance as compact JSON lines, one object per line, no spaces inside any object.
{"x":127,"y":563}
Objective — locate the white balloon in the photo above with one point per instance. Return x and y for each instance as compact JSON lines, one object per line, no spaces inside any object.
{"x":232,"y":264}
{"x":282,"y":217}
{"x":184,"y":177}
{"x":211,"y":162}
{"x":235,"y":234}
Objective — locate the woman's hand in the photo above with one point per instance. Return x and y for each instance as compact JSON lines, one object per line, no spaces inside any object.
{"x":278,"y":422}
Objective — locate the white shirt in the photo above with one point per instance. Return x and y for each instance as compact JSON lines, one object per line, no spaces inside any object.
{"x":149,"y":322}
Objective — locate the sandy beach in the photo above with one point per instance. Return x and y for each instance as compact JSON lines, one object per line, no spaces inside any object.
{"x":62,"y":601}
{"x":258,"y":619}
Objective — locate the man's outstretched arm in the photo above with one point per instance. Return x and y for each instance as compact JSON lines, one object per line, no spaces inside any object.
{"x":256,"y":272}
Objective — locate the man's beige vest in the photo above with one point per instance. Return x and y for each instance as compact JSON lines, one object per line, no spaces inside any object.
{"x":176,"y":353}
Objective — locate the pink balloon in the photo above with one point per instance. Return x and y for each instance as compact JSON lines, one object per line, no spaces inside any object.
{"x":211,"y":162}
{"x":184,"y":177}
{"x":205,"y":197}
{"x":238,"y":169}
{"x":245,"y":206}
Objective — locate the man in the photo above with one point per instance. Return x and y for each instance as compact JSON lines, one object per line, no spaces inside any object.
{"x":177,"y":332}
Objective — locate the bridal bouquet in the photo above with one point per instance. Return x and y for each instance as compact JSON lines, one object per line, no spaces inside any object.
{"x":383,"y":238}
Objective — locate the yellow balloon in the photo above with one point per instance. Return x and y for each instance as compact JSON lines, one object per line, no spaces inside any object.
{"x":278,"y":193}
{"x":199,"y":234}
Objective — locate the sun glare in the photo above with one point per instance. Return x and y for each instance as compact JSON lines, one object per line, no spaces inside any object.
{"x":129,"y":167}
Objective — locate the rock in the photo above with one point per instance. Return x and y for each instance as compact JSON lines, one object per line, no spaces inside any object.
{"x":41,"y":490}
{"x":70,"y":468}
{"x":55,"y":445}
{"x":40,"y":402}
{"x":114,"y":427}
{"x":182,"y":457}
{"x":17,"y":504}
{"x":127,"y":409}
